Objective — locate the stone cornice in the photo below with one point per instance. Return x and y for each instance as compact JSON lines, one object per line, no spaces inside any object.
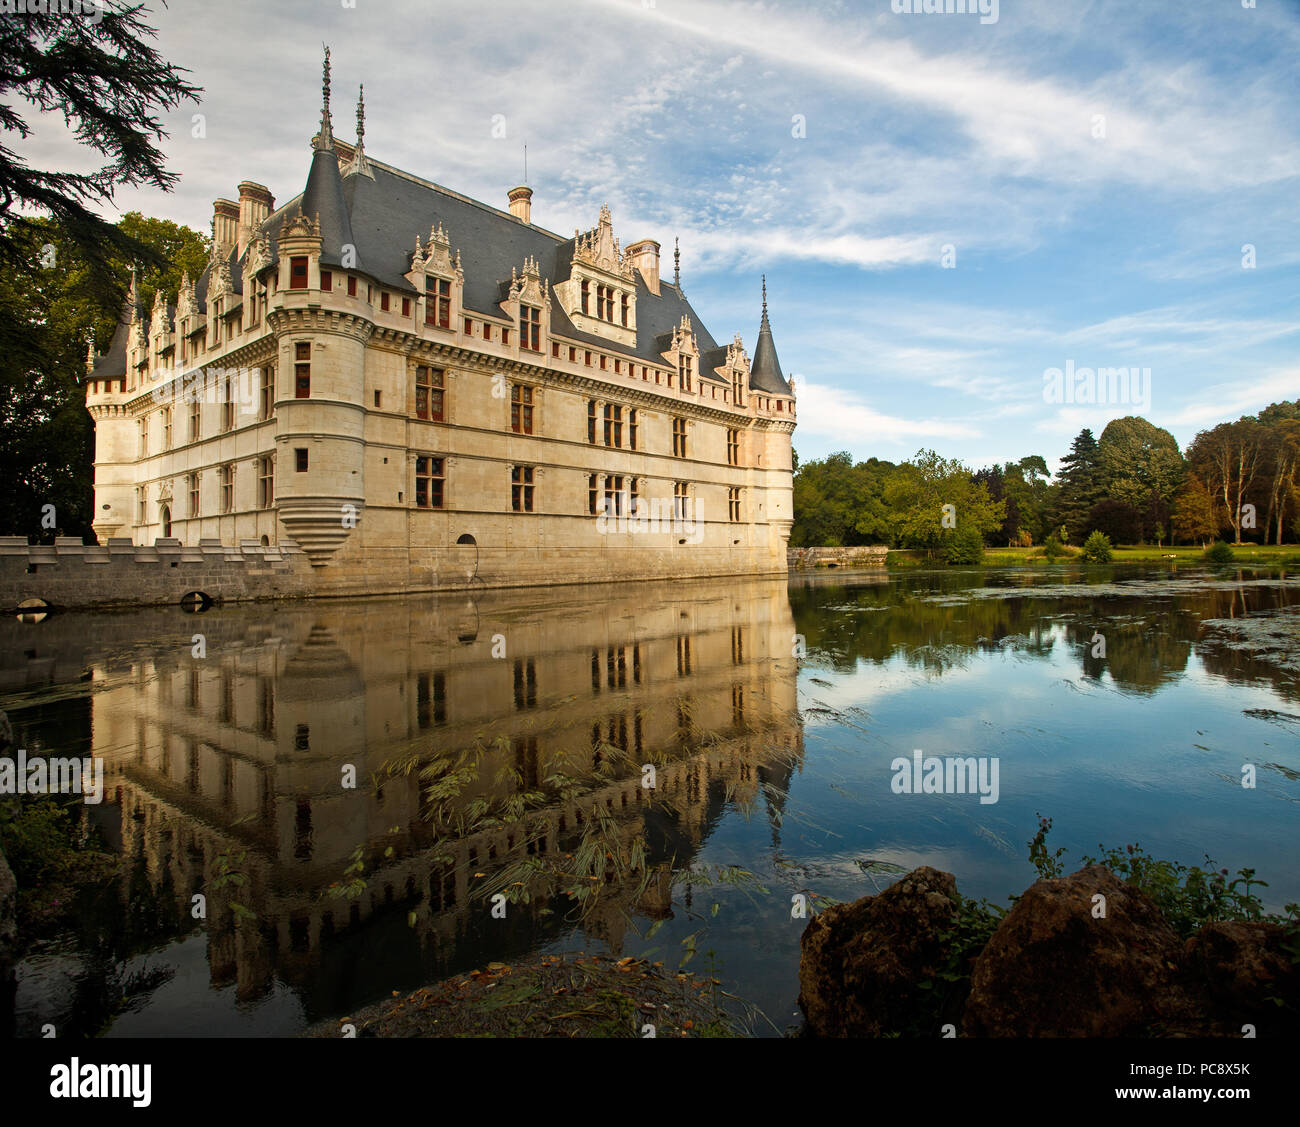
{"x":473,"y":360}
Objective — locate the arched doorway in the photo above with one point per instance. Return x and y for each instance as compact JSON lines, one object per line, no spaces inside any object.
{"x":167,"y":520}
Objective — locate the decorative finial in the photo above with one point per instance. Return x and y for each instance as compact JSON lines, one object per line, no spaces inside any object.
{"x":677,"y":264}
{"x":325,"y":139}
{"x":764,"y":295}
{"x":359,"y":162}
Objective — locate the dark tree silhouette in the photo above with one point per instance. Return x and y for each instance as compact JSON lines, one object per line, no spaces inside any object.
{"x":109,"y":85}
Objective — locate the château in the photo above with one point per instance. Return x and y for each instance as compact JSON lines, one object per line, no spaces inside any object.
{"x":403,"y":381}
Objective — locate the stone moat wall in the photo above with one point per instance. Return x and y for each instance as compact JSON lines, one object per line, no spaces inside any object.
{"x":72,"y":575}
{"x":68,"y":573}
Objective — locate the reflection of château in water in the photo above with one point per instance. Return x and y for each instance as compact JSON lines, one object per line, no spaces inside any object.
{"x":234,"y":761}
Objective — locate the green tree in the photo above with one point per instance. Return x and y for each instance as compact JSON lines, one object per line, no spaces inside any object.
{"x":838,"y":503}
{"x":1230,"y":459}
{"x":1139,"y":464}
{"x":1281,"y":463}
{"x":1028,"y":492}
{"x":1195,"y":514}
{"x":930,"y":497}
{"x":1097,"y":549}
{"x":47,"y":316}
{"x":1080,"y":480}
{"x":966,"y":546}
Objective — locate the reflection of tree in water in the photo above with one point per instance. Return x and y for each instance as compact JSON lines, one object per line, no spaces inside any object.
{"x":1144,"y":649}
{"x":1149,"y":638}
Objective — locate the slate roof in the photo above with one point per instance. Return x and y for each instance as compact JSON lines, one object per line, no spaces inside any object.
{"x":382,"y":214}
{"x":765,"y":371}
{"x":111,"y":365}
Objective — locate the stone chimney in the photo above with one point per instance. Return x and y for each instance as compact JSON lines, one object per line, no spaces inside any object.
{"x":225,"y":223}
{"x":521,"y":203}
{"x":645,"y":257}
{"x":255,"y":204}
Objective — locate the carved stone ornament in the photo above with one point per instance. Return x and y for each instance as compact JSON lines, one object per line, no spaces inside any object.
{"x":186,"y":303}
{"x":529,"y":287}
{"x":599,"y":249}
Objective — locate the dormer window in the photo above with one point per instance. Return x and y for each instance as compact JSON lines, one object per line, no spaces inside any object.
{"x":437,"y":306}
{"x":298,"y":272}
{"x":684,"y":364}
{"x":607,"y":305}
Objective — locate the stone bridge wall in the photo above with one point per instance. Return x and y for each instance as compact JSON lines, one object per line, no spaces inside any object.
{"x":68,"y":573}
{"x":865,"y":556}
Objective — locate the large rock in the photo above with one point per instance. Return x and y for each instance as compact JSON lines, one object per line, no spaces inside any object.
{"x":1239,"y":967}
{"x":8,"y":911}
{"x":1055,"y":967}
{"x":862,"y":962}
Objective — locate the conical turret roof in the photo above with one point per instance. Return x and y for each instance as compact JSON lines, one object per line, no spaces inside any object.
{"x":765,"y":371}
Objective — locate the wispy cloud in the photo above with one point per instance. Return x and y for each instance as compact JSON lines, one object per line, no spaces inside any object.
{"x":1097,"y":168}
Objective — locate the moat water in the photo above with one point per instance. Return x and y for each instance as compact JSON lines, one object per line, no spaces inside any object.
{"x":348,"y":788}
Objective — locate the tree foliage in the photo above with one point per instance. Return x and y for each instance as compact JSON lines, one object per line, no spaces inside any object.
{"x":109,"y":86}
{"x":1230,"y":460}
{"x":1132,"y":485}
{"x":47,"y":317}
{"x":929,"y":498}
{"x":1141,"y":468}
{"x":1080,"y":481}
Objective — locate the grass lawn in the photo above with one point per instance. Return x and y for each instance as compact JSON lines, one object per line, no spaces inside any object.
{"x":1187,"y":553}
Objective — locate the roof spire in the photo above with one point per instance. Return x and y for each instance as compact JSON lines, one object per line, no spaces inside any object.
{"x":325,"y":138}
{"x":677,"y":264}
{"x":359,"y":162}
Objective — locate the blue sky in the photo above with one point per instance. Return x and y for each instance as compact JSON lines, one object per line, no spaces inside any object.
{"x":1097,"y":168}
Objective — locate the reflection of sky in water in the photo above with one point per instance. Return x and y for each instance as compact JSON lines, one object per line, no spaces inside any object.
{"x":1109,"y":765}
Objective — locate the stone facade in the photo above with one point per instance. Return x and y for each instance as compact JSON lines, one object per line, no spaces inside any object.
{"x":451,"y":395}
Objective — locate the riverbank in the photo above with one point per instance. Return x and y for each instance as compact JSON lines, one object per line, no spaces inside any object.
{"x":1248,"y":555}
{"x":549,"y":996}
